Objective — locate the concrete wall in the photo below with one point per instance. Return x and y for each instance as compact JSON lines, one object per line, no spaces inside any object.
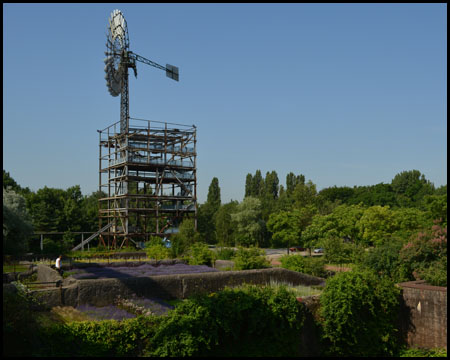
{"x":101,"y":292}
{"x":423,"y":319}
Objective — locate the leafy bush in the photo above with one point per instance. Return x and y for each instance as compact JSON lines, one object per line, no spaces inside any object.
{"x":185,"y":237}
{"x":157,"y":252}
{"x":99,"y":338}
{"x":156,"y":249}
{"x":250,"y":258}
{"x":384,"y":260}
{"x":436,"y":273}
{"x":245,"y":321}
{"x":425,"y":256}
{"x":359,"y":312}
{"x":306,"y":265}
{"x":338,"y":252}
{"x":199,"y":254}
{"x":224,"y":253}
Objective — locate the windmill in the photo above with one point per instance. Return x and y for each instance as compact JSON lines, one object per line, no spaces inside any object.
{"x":119,"y":58}
{"x":147,"y":168}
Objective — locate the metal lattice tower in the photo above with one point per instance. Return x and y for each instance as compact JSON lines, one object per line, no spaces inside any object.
{"x":146,"y":168}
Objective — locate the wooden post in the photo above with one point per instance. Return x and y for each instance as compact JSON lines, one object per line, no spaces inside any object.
{"x":42,"y":242}
{"x":82,"y":240}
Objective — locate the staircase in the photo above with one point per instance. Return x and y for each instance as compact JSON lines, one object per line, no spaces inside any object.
{"x":79,"y":246}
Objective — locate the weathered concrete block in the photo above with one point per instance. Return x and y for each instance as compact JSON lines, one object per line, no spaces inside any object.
{"x":47,"y":274}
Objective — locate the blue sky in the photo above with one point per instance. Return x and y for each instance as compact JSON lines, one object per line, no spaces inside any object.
{"x":346,"y":94}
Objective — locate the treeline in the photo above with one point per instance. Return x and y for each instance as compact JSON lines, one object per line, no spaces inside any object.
{"x":46,"y":210}
{"x":270,"y":215}
{"x":276,"y":215}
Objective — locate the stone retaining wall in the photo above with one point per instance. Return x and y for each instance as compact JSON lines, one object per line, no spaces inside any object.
{"x":101,"y":292}
{"x":423,"y":320}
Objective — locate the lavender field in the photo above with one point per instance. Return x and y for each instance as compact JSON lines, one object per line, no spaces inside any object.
{"x":106,"y":272}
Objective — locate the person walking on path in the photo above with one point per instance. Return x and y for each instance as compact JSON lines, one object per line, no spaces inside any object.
{"x":58,"y":265}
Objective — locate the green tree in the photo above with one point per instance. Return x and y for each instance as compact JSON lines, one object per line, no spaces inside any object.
{"x":284,"y":229}
{"x":287,"y":226}
{"x":293,"y":180}
{"x":257,"y":184}
{"x":304,"y":194}
{"x":269,"y":196}
{"x":10,"y":183}
{"x":271,"y":185}
{"x":225,"y":228}
{"x":207,"y":212}
{"x":249,"y":225}
{"x":248,"y":185}
{"x":90,"y":206}
{"x":341,"y":223}
{"x":185,"y":237}
{"x":213,"y":199}
{"x":342,"y":194}
{"x":409,"y":221}
{"x":377,"y":225}
{"x":379,"y":194}
{"x":441,"y":190}
{"x":410,"y":187}
{"x":425,"y":256}
{"x":46,"y":208}
{"x":73,"y":209}
{"x":384,"y":260}
{"x":436,"y":207}
{"x":339,"y":252}
{"x":17,"y":226}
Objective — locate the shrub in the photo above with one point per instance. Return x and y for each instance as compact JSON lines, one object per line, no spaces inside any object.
{"x":436,"y":273}
{"x":156,"y":249}
{"x":250,"y":258}
{"x":359,"y":312}
{"x":185,"y":237}
{"x":157,"y":252}
{"x":424,"y":257}
{"x":224,"y":253}
{"x":99,"y":338}
{"x":199,"y":254}
{"x":384,"y":260}
{"x":307,"y":265}
{"x":245,"y":321}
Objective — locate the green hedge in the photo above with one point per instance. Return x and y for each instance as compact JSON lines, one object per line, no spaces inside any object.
{"x":129,"y":337}
{"x":250,"y":258}
{"x":359,"y":312}
{"x":307,"y":265}
{"x":245,"y":321}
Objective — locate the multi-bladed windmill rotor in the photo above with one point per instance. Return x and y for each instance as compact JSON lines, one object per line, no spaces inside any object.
{"x":119,"y":58}
{"x":117,"y":44}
